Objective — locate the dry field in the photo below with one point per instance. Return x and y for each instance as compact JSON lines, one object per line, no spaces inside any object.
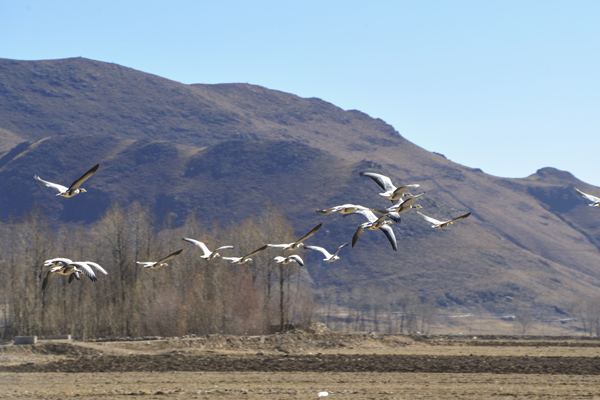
{"x":299,"y":365}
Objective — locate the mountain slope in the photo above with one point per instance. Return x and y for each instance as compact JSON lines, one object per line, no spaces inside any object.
{"x":228,"y":149}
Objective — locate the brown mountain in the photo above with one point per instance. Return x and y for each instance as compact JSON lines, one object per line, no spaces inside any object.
{"x":227,"y":149}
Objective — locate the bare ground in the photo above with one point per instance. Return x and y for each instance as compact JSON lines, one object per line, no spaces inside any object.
{"x":299,"y":365}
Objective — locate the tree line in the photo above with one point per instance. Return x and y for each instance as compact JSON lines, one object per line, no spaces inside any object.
{"x":190,"y":296}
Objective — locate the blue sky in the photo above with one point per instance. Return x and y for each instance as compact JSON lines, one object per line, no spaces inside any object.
{"x":505,"y":86}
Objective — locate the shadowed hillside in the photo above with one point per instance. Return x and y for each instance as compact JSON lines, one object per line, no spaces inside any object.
{"x":226,"y":150}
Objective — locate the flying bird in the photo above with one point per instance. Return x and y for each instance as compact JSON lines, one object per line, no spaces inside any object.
{"x":375,"y":223}
{"x":390,"y":190}
{"x":437,"y":224}
{"x":72,"y":190}
{"x":53,"y":262}
{"x":343,"y":209}
{"x":246,"y":258}
{"x":403,"y":205}
{"x":208,"y":255}
{"x":289,"y":259}
{"x":595,"y":201}
{"x":328,"y":256}
{"x":59,"y":266}
{"x":72,"y":269}
{"x":159,"y":263}
{"x":297,"y":243}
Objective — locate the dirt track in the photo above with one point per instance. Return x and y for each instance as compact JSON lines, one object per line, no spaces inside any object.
{"x":319,"y":363}
{"x":299,"y":365}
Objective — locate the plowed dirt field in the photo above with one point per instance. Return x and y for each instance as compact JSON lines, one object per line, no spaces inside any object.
{"x":300,"y":365}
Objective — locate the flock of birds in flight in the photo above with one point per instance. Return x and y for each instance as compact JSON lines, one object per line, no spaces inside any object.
{"x":377,"y":219}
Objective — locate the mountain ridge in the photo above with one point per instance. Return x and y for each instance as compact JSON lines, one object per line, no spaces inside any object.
{"x":236,"y":146}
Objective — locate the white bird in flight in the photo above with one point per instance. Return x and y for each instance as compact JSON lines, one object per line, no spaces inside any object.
{"x":375,"y":223}
{"x":159,"y":263}
{"x":391,"y":191}
{"x":72,"y":269}
{"x":343,"y":209}
{"x":403,"y":205}
{"x":289,"y":259}
{"x":437,"y":224}
{"x":54,"y":262}
{"x":57,"y":266}
{"x":246,"y":258}
{"x":595,"y":201}
{"x":208,"y":254}
{"x":328,"y":256}
{"x":297,"y":243}
{"x":72,"y":190}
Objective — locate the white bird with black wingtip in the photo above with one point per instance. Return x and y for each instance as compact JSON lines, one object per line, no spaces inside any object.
{"x":208,"y":254}
{"x":373,"y":224}
{"x":160,"y":263}
{"x":72,"y":269}
{"x":437,"y":224}
{"x":75,"y":187}
{"x":328,"y":256}
{"x":246,"y":258}
{"x":391,"y":191}
{"x":299,"y":242}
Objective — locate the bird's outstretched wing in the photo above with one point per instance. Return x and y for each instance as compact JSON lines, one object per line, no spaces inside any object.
{"x":429,"y":219}
{"x":256,"y":251}
{"x":383,"y":181}
{"x":389,"y":233}
{"x":595,"y":200}
{"x":86,"y":268}
{"x":298,"y":259}
{"x":200,"y":244}
{"x":461,"y":217}
{"x":280,"y":246}
{"x":247,"y":256}
{"x":368,"y":214}
{"x":172,"y":255}
{"x":84,"y":177}
{"x":321,"y":249}
{"x":60,"y":188}
{"x":357,"y":234}
{"x":339,"y":248}
{"x":309,"y":234}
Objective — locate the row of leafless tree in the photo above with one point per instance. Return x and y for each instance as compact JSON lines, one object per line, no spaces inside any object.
{"x":368,"y":310}
{"x":190,"y":296}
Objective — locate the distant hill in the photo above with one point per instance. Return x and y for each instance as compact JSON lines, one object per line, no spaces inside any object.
{"x":228,"y":149}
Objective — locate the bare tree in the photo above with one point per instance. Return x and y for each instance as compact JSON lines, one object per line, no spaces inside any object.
{"x":427,"y":313}
{"x":523,"y":316}
{"x":587,"y":310}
